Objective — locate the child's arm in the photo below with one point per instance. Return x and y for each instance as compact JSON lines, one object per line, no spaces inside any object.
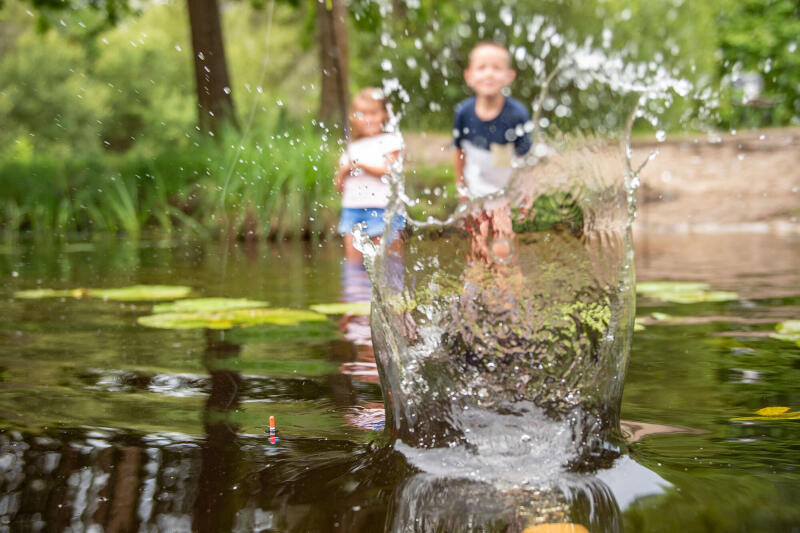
{"x":341,"y":174}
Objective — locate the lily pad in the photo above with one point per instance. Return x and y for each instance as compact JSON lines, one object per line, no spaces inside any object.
{"x":135,"y":293}
{"x":343,"y":308}
{"x":36,"y":294}
{"x":231,"y":318}
{"x":683,"y":292}
{"x":208,"y":305}
{"x":142,"y":293}
{"x":788,"y":331}
{"x":771,"y":413}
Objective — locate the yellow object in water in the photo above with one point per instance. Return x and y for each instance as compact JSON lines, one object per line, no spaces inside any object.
{"x":771,"y":413}
{"x":556,"y":528}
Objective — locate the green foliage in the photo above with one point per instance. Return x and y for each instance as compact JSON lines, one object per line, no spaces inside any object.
{"x":552,"y":211}
{"x":761,"y":36}
{"x":99,"y":130}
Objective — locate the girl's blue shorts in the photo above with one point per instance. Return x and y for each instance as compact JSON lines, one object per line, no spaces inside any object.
{"x":371,"y":216}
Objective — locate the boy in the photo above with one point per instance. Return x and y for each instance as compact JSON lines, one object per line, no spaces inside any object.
{"x":489,"y":126}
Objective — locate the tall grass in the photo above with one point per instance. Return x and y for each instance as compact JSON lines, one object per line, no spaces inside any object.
{"x":266,"y":184}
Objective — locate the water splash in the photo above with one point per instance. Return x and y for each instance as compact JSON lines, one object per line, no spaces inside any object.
{"x":513,"y":315}
{"x":503,"y":331}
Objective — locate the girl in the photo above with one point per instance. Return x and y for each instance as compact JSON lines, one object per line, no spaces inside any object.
{"x":369,"y":156}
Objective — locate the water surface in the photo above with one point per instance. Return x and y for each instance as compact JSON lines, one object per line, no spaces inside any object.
{"x":107,"y":423}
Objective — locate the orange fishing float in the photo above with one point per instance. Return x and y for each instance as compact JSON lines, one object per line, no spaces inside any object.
{"x":272,"y":438}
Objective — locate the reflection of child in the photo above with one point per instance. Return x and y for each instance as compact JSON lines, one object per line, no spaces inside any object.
{"x":367,"y":159}
{"x":489,"y":128}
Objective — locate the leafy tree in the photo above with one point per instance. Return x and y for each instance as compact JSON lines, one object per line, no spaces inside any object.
{"x":762,"y":36}
{"x":213,"y":88}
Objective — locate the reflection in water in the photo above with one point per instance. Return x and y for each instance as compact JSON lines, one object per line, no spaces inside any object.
{"x":86,"y":479}
{"x":356,"y":287}
{"x":62,"y":381}
{"x":215,"y":506}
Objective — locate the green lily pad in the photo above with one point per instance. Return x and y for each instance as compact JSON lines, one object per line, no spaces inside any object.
{"x":683,"y":292}
{"x":788,"y":331}
{"x":36,"y":294}
{"x":142,"y":293}
{"x":343,"y":308}
{"x":231,"y":318}
{"x":208,"y":305}
{"x":671,"y":286}
{"x":135,"y":293}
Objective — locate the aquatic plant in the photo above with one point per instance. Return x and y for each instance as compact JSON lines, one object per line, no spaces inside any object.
{"x":343,"y":308}
{"x":770,"y":413}
{"x":683,"y":292}
{"x":230,"y":318}
{"x":208,"y":305}
{"x":135,"y":293}
{"x":788,"y":331}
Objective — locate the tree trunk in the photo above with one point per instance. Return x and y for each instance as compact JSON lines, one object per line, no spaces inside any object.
{"x":214,"y":100}
{"x":332,"y":24}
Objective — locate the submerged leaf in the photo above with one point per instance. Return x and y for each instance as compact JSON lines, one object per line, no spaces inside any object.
{"x":231,"y":318}
{"x":343,"y":308}
{"x":135,"y":293}
{"x":208,"y":305}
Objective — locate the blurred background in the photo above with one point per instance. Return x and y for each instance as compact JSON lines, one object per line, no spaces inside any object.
{"x":207,"y":118}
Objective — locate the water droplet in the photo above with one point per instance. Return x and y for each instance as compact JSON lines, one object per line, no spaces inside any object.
{"x":506,"y":16}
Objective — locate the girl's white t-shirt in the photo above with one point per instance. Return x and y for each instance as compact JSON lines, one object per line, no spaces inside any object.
{"x":362,"y":189}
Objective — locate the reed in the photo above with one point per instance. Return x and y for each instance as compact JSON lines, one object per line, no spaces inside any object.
{"x":270,"y":183}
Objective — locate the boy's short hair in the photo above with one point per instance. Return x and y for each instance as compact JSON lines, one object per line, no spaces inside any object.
{"x":489,"y":44}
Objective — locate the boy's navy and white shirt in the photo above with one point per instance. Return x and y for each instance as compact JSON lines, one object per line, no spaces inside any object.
{"x":488,"y":145}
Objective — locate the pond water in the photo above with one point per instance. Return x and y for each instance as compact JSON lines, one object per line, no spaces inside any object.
{"x":108,"y":425}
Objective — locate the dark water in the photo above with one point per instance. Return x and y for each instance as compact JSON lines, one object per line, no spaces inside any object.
{"x":110,"y":426}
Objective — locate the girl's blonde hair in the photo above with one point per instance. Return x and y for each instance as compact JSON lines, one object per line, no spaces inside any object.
{"x":372,"y":95}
